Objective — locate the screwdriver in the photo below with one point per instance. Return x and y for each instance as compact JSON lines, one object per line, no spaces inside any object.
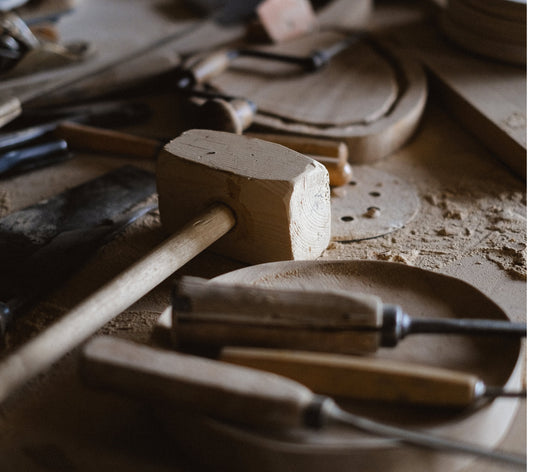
{"x":366,"y":378}
{"x":210,"y":313}
{"x":239,"y":394}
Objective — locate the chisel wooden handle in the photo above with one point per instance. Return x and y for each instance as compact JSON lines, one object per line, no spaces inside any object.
{"x":364,"y":377}
{"x":210,"y":387}
{"x":332,"y":154}
{"x":217,"y":314}
{"x":104,"y":140}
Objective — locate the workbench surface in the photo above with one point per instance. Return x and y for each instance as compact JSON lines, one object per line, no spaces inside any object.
{"x":471,"y":224}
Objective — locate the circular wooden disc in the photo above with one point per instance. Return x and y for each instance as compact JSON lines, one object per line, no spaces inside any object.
{"x":372,"y":204}
{"x":422,"y":294}
{"x":470,"y":40}
{"x":515,"y":10}
{"x":486,"y":25}
{"x":369,"y":96}
{"x":327,"y":97}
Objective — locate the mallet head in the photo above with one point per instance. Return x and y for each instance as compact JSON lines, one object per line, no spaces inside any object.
{"x":280,"y":198}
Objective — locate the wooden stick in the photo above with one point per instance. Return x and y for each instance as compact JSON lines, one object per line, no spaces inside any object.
{"x":86,"y":318}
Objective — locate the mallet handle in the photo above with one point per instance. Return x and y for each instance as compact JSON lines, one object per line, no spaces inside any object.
{"x":113,"y":298}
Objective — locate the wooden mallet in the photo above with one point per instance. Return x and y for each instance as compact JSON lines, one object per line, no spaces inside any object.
{"x":260,"y":201}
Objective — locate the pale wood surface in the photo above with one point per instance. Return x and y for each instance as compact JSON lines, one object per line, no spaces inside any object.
{"x":58,"y":424}
{"x":493,"y":109}
{"x":207,"y":386}
{"x":202,"y":166}
{"x":362,"y":378}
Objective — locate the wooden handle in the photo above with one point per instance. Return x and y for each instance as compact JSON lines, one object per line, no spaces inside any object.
{"x":218,"y":314}
{"x":363,"y":377}
{"x":332,"y":154}
{"x":210,"y":66}
{"x":104,"y":140}
{"x":206,"y":386}
{"x":113,"y":298}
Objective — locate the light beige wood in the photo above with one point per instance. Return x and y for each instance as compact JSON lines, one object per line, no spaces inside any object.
{"x":486,"y":97}
{"x":471,"y":40}
{"x":286,"y":19}
{"x":79,"y":136}
{"x":212,"y":314}
{"x":375,"y":106}
{"x":364,"y":378}
{"x":280,"y":198}
{"x":86,"y":318}
{"x":332,"y":154}
{"x":421,"y":293}
{"x":209,"y":220}
{"x":10,"y":108}
{"x":220,"y":389}
{"x":288,"y":92}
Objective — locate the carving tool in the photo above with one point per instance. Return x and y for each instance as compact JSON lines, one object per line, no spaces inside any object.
{"x":368,"y":378}
{"x":213,"y":64}
{"x":332,"y":154}
{"x":212,"y":186}
{"x":240,"y":395}
{"x":339,"y":321}
{"x":43,"y":244}
{"x":103,"y":114}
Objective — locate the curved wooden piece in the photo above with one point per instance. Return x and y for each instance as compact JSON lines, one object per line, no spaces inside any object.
{"x":368,"y":96}
{"x":422,"y":294}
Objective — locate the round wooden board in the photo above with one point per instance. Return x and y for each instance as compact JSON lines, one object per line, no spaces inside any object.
{"x":486,"y":25}
{"x":421,"y":293}
{"x":469,"y":39}
{"x":372,"y":204}
{"x":369,"y":96}
{"x":515,"y":10}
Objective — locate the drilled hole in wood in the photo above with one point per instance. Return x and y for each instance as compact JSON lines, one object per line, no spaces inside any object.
{"x":347,"y":218}
{"x":352,"y":182}
{"x":374,"y":194}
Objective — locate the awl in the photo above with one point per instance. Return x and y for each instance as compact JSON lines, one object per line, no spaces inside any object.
{"x":217,"y":314}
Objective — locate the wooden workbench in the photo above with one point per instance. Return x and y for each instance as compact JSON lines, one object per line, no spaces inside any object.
{"x":471,"y":225}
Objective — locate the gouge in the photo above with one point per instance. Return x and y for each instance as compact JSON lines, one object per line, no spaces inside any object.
{"x":217,"y":314}
{"x":239,"y":394}
{"x":367,"y":378}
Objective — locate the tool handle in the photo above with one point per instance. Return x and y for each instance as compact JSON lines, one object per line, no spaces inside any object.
{"x":91,"y":314}
{"x":364,"y":378}
{"x":332,"y":154}
{"x":218,"y":314}
{"x":210,"y":387}
{"x":104,"y":140}
{"x":210,"y":66}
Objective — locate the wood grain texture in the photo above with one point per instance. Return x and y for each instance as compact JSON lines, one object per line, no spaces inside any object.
{"x":207,"y":386}
{"x":375,"y":105}
{"x":421,"y":293}
{"x":362,"y":378}
{"x":280,"y":198}
{"x":486,"y":97}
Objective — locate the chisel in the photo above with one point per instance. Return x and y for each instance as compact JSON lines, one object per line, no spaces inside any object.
{"x":367,"y":378}
{"x":338,"y":321}
{"x":240,"y":394}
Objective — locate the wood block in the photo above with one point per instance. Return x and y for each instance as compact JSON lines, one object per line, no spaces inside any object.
{"x":280,"y":198}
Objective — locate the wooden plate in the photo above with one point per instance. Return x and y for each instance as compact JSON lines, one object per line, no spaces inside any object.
{"x":421,"y":293}
{"x":369,"y":96}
